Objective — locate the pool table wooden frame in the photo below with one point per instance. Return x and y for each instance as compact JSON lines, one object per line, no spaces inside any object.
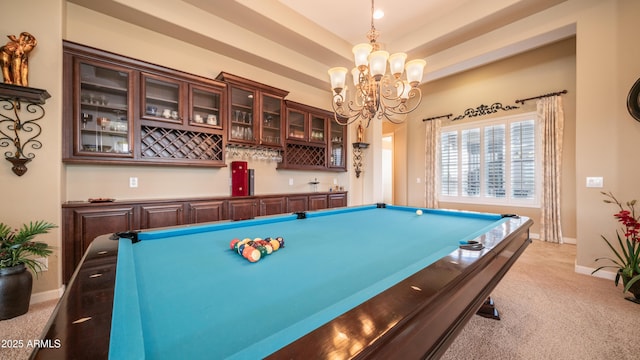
{"x":417,"y":323}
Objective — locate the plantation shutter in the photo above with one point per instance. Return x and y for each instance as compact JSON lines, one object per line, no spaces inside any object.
{"x":523,"y":165}
{"x":494,"y":161}
{"x":449,"y":163}
{"x":471,"y":162}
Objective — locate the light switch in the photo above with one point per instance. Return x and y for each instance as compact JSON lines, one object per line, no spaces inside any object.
{"x":594,"y":181}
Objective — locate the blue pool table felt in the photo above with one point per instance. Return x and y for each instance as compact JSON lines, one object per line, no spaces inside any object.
{"x":185,"y":294}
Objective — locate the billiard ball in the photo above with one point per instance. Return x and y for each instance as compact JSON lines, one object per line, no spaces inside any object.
{"x":418,"y":212}
{"x":263,"y":251}
{"x":269,"y":248}
{"x":241,"y":248}
{"x":233,"y":243}
{"x":247,"y":250}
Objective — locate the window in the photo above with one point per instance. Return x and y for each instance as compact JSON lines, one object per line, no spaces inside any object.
{"x":491,"y":162}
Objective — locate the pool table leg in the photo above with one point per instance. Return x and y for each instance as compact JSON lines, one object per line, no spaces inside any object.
{"x":489,"y":310}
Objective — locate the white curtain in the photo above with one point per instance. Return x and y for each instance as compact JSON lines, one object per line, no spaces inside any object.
{"x":432,"y":141}
{"x":551,"y":119}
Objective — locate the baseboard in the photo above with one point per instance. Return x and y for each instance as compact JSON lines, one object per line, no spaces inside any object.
{"x":565,"y":240}
{"x":47,"y":295}
{"x":588,"y":270}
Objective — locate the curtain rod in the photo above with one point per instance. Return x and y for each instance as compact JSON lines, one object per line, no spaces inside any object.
{"x":438,"y":117}
{"x":541,"y":96}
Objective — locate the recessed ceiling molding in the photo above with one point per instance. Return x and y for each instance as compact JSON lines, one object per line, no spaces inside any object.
{"x":500,"y":53}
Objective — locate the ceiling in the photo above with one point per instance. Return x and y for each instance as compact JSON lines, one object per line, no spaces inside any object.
{"x":302,"y":39}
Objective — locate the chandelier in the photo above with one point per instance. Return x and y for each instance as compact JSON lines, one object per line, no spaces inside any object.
{"x":377,"y":93}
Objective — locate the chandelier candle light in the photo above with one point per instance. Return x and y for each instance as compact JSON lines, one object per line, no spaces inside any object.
{"x":376,"y":92}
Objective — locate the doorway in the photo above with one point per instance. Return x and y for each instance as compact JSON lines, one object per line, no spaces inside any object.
{"x":387,"y":168}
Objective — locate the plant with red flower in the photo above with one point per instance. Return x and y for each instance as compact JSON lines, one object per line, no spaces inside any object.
{"x":627,"y":260}
{"x":17,"y":246}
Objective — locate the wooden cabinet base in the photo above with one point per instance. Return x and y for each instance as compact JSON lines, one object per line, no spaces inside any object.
{"x":83,"y":221}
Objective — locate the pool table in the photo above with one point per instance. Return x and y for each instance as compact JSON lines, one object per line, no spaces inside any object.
{"x":376,"y":281}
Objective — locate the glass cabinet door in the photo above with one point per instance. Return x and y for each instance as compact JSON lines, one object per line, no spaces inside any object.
{"x":317,"y":128}
{"x":271,"y":120}
{"x":337,"y":156}
{"x":103,"y":119}
{"x":241,"y":115}
{"x":161,"y":99}
{"x":296,"y":124}
{"x":205,"y":107}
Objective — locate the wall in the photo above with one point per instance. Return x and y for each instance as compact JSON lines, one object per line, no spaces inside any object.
{"x":36,"y":194}
{"x":606,"y":135}
{"x":540,"y":71}
{"x":84,"y":181}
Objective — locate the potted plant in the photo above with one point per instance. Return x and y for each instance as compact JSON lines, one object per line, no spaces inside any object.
{"x":17,"y":250}
{"x":627,"y":260}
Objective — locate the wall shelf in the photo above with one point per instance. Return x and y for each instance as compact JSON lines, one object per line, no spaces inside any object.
{"x":20,"y":109}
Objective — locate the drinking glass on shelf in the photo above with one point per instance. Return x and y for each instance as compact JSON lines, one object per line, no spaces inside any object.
{"x":86,"y":117}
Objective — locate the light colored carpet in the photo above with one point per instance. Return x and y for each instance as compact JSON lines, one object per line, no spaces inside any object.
{"x":548,"y":312}
{"x":15,"y":333}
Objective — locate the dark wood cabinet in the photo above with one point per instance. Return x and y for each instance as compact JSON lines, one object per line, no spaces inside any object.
{"x":243,"y":209}
{"x":317,"y":202}
{"x":83,"y":222}
{"x":99,"y":99}
{"x":255,"y":112}
{"x":153,"y":216}
{"x":337,"y":153}
{"x":297,"y":203}
{"x":273,"y":206}
{"x":82,"y":225}
{"x":206,"y":211}
{"x":314,"y":140}
{"x":118,"y":110}
{"x":337,"y":200}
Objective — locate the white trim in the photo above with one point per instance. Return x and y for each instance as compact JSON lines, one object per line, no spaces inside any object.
{"x":565,"y":240}
{"x":47,"y":295}
{"x":481,"y":198}
{"x":601,"y":274}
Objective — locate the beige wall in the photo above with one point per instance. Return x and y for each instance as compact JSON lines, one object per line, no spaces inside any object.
{"x":540,"y":71}
{"x":94,"y":29}
{"x":36,"y":194}
{"x":605,"y":134}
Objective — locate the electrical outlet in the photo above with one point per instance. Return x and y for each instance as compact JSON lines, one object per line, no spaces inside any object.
{"x":133,"y":182}
{"x":290,"y":181}
{"x":44,"y":263}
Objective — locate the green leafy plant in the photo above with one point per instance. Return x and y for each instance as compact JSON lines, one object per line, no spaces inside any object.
{"x":627,"y":258}
{"x":17,"y":246}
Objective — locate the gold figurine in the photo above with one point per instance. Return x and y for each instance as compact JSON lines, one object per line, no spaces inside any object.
{"x":360,"y":132}
{"x":14,"y":58}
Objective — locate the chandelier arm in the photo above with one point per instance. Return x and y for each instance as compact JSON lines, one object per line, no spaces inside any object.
{"x":388,"y":117}
{"x":402,"y":108}
{"x":345,"y":111}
